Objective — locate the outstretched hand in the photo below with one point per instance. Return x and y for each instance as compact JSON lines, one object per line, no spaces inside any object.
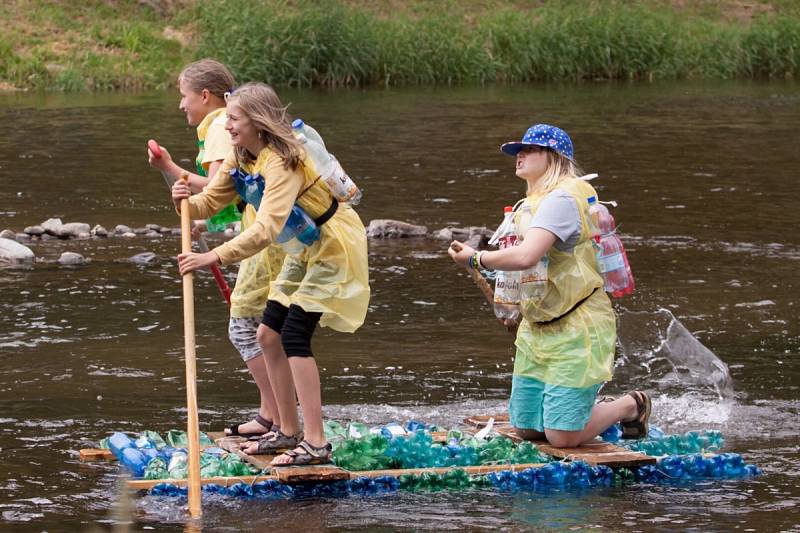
{"x":460,"y":253}
{"x":162,"y":161}
{"x":191,"y":261}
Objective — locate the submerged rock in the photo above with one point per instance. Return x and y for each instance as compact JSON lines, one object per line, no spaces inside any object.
{"x":12,"y":252}
{"x":71,"y":258}
{"x":22,"y":237}
{"x":387,"y":228}
{"x":144,"y":258}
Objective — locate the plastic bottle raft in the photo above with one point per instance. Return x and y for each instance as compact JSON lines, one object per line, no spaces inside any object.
{"x":418,"y":457}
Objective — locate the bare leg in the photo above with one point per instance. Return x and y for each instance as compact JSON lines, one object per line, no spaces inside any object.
{"x":280,"y":377}
{"x":306,"y":379}
{"x":268,"y":407}
{"x":604,"y":415}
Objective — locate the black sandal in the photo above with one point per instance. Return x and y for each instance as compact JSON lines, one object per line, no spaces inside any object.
{"x":276,"y":442}
{"x":233,"y":431}
{"x":638,"y":427}
{"x":307,"y":454}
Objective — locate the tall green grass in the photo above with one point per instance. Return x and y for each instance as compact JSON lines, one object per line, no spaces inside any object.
{"x":333,"y":44}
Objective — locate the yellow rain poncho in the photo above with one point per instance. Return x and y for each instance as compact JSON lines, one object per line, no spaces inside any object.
{"x":576,"y":350}
{"x":330,"y":276}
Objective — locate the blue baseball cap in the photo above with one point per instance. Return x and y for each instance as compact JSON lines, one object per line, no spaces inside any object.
{"x":542,"y":135}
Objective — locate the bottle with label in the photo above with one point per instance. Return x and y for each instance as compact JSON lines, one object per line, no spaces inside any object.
{"x":533,"y":280}
{"x":298,"y":232}
{"x":339,"y":183}
{"x":506,"y":288}
{"x":611,"y":258}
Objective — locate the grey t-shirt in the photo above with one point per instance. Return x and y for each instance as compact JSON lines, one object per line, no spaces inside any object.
{"x":558,"y":214}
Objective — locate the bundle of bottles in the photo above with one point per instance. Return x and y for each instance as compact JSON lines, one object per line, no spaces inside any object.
{"x":357,"y":448}
{"x":658,"y":444}
{"x":553,"y":475}
{"x":151,"y":457}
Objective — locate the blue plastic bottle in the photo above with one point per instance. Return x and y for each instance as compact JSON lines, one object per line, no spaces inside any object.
{"x":118,"y":442}
{"x":134,"y":460}
{"x":298,"y":232}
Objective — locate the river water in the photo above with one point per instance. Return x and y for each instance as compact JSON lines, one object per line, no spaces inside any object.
{"x":705,"y":177}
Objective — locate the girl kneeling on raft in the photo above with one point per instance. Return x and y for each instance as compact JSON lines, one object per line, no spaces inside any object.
{"x":566,"y":338}
{"x":326,"y":283}
{"x":202,"y":86}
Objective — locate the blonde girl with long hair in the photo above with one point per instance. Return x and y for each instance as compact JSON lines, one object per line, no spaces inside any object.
{"x":326,"y":283}
{"x":203,"y":85}
{"x":567,"y":333}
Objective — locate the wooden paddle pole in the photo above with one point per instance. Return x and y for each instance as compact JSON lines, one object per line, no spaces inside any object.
{"x":193,"y":429}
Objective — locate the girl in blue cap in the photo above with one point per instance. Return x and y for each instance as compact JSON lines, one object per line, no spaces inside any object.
{"x":567,"y":334}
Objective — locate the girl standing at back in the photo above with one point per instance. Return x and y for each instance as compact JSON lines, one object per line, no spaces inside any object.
{"x":566,"y":340}
{"x":326,"y":282}
{"x":203,"y":85}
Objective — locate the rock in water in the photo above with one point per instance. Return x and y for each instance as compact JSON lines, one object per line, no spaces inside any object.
{"x":121,"y":229}
{"x":12,"y":252}
{"x":99,"y":231}
{"x":8,"y":234}
{"x":74,"y":229}
{"x":52,"y":226}
{"x":144,"y":258}
{"x":34,"y":230}
{"x":71,"y":258}
{"x":386,"y":228}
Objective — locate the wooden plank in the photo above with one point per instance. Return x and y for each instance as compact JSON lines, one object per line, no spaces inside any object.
{"x":231,"y":444}
{"x":471,"y":470}
{"x":146,"y":484}
{"x":480,"y":421}
{"x":304,"y":474}
{"x":96,"y":454}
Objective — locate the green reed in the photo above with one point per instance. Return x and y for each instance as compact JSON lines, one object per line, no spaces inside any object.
{"x":332,"y":44}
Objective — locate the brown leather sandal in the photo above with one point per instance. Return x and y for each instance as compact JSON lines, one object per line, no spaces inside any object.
{"x":277,"y":442}
{"x":638,"y":427}
{"x":306,"y":454}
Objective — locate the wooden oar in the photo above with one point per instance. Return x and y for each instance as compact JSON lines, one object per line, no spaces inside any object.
{"x":224,"y":289}
{"x":193,"y":429}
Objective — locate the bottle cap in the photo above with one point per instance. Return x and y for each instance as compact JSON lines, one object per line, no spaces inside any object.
{"x":298,"y":123}
{"x":592,"y":200}
{"x":508,"y":209}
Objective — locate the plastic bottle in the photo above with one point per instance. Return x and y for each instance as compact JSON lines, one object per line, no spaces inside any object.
{"x":533,"y":280}
{"x":134,"y":460}
{"x":611,"y":258}
{"x":229,"y":214}
{"x":298,"y":232}
{"x":118,"y":442}
{"x":332,"y":173}
{"x":507,"y":283}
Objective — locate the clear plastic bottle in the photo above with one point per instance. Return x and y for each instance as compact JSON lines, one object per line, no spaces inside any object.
{"x":611,"y":258}
{"x":533,"y":280}
{"x":507,"y":283}
{"x":334,"y":176}
{"x":298,"y":232}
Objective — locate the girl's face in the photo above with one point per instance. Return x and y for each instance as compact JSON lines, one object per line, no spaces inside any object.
{"x":242,"y":130}
{"x":194,"y":104}
{"x":531,"y":163}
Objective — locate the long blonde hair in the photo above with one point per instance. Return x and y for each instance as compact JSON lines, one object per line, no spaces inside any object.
{"x":208,"y":74}
{"x":558,"y":169}
{"x":261,"y":105}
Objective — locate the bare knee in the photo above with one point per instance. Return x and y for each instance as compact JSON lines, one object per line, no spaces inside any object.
{"x":563,"y":439}
{"x":529,"y":434}
{"x":270,"y":342}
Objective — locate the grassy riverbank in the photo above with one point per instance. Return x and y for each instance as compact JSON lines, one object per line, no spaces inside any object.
{"x":142,"y":44}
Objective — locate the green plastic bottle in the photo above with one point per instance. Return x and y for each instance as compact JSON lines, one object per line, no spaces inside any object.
{"x":229,"y":214}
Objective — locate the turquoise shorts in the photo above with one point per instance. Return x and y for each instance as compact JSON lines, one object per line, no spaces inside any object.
{"x":536,"y":405}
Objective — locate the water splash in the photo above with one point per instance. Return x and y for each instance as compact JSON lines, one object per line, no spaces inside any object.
{"x":656,"y":346}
